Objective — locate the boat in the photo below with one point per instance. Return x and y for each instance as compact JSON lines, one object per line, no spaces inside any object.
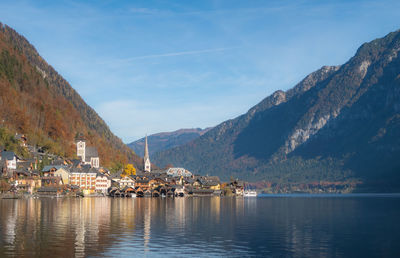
{"x":133,"y":195}
{"x":250,"y":193}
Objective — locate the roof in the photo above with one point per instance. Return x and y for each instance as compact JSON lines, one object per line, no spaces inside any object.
{"x":22,"y":171}
{"x":58,"y":162}
{"x":84,"y":169}
{"x":20,"y":137}
{"x":91,"y":152}
{"x":75,"y":162}
{"x":80,"y":137}
{"x":178,"y":172}
{"x":142,"y":181}
{"x":212,"y":178}
{"x":49,"y":167}
{"x":101,"y":175}
{"x":8,"y":155}
{"x":47,"y":189}
{"x":211,"y":183}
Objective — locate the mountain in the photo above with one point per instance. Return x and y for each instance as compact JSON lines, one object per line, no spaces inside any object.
{"x":340,"y":123}
{"x":35,"y":100}
{"x":167,"y":140}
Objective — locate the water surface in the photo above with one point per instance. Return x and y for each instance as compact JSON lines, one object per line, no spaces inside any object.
{"x":279,"y":225}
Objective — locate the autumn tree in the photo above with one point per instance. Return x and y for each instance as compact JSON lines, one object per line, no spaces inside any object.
{"x":129,"y":169}
{"x":4,"y":186}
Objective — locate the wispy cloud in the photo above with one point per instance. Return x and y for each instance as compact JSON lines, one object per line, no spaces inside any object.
{"x":123,"y":61}
{"x":181,"y":53}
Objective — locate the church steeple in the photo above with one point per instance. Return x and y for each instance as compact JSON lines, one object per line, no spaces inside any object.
{"x":146,"y":158}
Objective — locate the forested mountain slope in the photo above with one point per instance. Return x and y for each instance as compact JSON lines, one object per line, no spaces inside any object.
{"x":339,"y":123}
{"x":37,"y":101}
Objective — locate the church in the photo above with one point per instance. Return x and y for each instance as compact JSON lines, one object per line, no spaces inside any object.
{"x":88,"y":154}
{"x":146,"y":158}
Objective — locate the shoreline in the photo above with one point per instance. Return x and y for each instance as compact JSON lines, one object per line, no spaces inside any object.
{"x":8,"y":196}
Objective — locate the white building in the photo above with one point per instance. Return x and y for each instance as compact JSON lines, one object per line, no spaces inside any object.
{"x":88,"y":155}
{"x":146,"y":158}
{"x":10,"y":159}
{"x":124,"y":181}
{"x":178,"y":172}
{"x":92,"y":157}
{"x":84,"y":178}
{"x":103,"y":182}
{"x":80,"y":149}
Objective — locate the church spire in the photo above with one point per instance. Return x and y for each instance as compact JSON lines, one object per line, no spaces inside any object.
{"x":146,"y":158}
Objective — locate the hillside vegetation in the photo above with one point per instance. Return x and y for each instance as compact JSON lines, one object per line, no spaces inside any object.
{"x":35,"y":100}
{"x":341,"y":123}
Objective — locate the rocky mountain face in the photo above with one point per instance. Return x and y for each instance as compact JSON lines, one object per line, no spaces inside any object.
{"x":35,"y":100}
{"x":167,"y":140}
{"x":339,"y":123}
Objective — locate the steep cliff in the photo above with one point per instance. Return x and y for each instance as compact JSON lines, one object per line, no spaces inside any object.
{"x":339,"y":123}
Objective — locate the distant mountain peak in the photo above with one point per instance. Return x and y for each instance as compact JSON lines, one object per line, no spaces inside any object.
{"x":339,"y":123}
{"x":167,"y":140}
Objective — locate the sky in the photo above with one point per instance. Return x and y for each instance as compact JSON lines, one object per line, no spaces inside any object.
{"x":156,"y":66}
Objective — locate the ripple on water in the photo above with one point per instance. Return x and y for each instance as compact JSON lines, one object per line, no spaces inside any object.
{"x":201,"y":227}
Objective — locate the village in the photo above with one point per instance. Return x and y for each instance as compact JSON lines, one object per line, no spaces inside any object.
{"x":85,"y":177}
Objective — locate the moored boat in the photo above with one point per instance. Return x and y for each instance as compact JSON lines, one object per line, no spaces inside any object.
{"x":250,"y":193}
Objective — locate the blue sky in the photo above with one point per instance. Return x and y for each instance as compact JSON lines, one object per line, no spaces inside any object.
{"x":152,"y":66}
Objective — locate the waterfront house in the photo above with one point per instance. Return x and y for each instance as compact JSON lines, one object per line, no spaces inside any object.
{"x":28,"y":182}
{"x":49,"y":170}
{"x":179,"y":190}
{"x":237,"y":187}
{"x":155,"y":193}
{"x":211,"y":182}
{"x":163,"y":190}
{"x":123,"y":181}
{"x":50,"y":191}
{"x":85,"y":178}
{"x":139,"y":191}
{"x":148,"y":193}
{"x":156,"y":182}
{"x":143,"y":183}
{"x":128,"y":191}
{"x":64,"y":173}
{"x":103,"y":182}
{"x":51,"y":181}
{"x":10,"y":158}
{"x":197,"y":183}
{"x":126,"y":181}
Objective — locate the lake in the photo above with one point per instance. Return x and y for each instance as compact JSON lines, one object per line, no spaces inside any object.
{"x":273,"y":225}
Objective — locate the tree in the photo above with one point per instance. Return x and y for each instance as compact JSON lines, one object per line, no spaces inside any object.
{"x":169,"y":166}
{"x":4,"y":186}
{"x":117,"y":166}
{"x":129,"y":169}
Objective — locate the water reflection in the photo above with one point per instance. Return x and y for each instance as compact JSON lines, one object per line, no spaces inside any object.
{"x":200,"y":227}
